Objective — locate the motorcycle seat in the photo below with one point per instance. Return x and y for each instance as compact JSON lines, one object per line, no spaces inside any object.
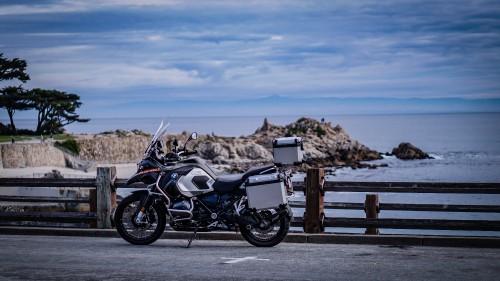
{"x":227,"y":183}
{"x":256,"y":170}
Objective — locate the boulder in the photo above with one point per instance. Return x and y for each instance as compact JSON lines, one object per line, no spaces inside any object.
{"x":408,"y":151}
{"x":210,"y":150}
{"x":55,"y":174}
{"x":255,"y":151}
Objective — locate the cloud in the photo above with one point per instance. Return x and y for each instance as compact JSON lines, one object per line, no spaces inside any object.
{"x":155,"y":38}
{"x":60,"y":51}
{"x":225,"y":49}
{"x":72,"y":6}
{"x":110,"y":76}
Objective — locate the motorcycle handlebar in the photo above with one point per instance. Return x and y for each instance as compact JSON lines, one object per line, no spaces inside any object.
{"x":190,"y":152}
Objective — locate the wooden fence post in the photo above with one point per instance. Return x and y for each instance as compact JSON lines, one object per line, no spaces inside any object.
{"x":106,"y":195}
{"x":93,"y":205}
{"x":314,"y":215}
{"x":372,"y":208}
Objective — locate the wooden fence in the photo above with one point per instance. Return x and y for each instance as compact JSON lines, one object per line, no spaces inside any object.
{"x":315,"y":221}
{"x":102,"y":201}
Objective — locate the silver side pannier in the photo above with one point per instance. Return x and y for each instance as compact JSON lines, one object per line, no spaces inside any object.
{"x":288,"y":151}
{"x":265,"y":191}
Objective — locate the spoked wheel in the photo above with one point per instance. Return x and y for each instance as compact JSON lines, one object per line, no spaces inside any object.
{"x":139,"y":233}
{"x":266,"y":234}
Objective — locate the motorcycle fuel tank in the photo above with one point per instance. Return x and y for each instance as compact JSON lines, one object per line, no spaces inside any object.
{"x":195,"y":183}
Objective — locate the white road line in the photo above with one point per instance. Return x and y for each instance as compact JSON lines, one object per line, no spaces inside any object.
{"x":236,"y":260}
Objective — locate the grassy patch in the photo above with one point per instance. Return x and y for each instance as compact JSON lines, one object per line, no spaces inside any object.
{"x":59,"y":137}
{"x":17,"y":138}
{"x":63,"y":137}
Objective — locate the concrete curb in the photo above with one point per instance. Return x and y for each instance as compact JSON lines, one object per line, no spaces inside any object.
{"x":387,"y":240}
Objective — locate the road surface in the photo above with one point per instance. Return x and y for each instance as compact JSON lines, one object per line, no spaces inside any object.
{"x":93,"y":258}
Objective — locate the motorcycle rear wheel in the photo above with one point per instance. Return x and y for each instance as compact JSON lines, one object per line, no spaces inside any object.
{"x":268,"y":236}
{"x":139,"y":234}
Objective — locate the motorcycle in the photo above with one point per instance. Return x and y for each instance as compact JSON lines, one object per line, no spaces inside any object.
{"x":183,"y":191}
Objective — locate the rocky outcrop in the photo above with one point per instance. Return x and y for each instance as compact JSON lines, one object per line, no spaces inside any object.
{"x":113,"y":149}
{"x":407,"y":151}
{"x":20,"y":155}
{"x":324,"y":146}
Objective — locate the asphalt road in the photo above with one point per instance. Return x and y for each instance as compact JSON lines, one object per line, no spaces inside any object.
{"x":91,"y":258}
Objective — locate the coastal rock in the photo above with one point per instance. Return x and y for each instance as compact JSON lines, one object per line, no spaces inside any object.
{"x":255,"y":152}
{"x":20,"y":155}
{"x":407,"y":151}
{"x":266,"y":127}
{"x":324,"y":146}
{"x":55,"y":174}
{"x":219,"y":160}
{"x":210,"y":150}
{"x":112,"y":149}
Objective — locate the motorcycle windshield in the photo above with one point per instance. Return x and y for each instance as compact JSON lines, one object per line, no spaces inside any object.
{"x":159,"y":133}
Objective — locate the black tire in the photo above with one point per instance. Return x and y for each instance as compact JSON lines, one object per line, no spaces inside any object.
{"x":269,"y":237}
{"x":139,"y":234}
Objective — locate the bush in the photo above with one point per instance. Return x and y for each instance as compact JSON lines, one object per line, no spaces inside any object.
{"x":7,"y":130}
{"x":320,"y":131}
{"x":70,"y":145}
{"x":26,"y":132}
{"x":4,"y":129}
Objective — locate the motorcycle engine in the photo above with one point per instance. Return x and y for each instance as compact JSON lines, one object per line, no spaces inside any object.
{"x":182,"y":205}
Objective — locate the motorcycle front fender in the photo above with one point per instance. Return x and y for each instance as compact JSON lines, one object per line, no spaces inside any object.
{"x":155,"y":201}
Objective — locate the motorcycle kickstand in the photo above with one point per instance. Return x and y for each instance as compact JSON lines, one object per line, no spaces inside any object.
{"x":192,"y":236}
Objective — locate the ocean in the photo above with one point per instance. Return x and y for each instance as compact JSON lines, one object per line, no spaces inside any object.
{"x":465,"y":148}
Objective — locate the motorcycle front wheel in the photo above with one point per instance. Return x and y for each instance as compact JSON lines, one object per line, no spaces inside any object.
{"x":145,"y":232}
{"x":266,"y":235}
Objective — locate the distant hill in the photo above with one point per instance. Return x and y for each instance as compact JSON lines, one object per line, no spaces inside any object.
{"x":278,"y":105}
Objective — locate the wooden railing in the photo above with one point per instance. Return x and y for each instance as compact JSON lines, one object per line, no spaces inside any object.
{"x":102,"y":201}
{"x":315,"y":221}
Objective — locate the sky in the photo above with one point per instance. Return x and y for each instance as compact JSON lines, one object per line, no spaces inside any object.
{"x":129,"y":58}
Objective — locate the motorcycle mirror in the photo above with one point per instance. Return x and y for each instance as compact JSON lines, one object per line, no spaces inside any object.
{"x":175,"y":143}
{"x":193,"y":136}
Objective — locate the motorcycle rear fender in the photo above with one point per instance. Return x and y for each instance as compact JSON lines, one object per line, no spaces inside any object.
{"x":284,"y":210}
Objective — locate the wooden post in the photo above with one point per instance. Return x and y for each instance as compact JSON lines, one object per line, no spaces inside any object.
{"x":93,"y":205}
{"x":372,"y":208}
{"x":314,"y":215}
{"x":106,"y":196}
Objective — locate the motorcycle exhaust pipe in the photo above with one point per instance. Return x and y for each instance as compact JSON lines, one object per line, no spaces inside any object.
{"x":244,"y":221}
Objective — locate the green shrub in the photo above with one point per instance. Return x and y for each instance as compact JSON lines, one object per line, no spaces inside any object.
{"x":320,"y":131}
{"x":70,"y":145}
{"x":4,"y":129}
